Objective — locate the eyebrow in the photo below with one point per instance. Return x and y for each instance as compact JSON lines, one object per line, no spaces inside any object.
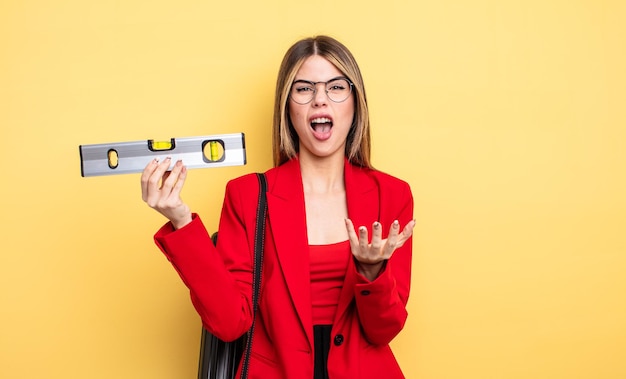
{"x":323,"y":81}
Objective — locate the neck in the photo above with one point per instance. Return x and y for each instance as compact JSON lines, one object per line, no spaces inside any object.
{"x":323,"y":175}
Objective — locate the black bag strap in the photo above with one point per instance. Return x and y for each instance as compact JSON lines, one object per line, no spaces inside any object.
{"x":259,"y":239}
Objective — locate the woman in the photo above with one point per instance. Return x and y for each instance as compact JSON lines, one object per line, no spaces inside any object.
{"x":331,"y":299}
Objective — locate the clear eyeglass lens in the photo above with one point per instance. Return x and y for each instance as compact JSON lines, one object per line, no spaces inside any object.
{"x":338,"y":90}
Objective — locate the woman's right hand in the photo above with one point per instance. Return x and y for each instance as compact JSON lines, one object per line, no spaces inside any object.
{"x":160,"y":189}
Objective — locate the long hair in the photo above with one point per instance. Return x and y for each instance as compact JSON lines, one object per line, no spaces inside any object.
{"x":285,"y":142}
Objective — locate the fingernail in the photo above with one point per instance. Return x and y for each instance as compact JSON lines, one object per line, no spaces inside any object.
{"x":377,"y":225}
{"x":396,"y":223}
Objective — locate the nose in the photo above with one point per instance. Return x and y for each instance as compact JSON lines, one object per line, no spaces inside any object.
{"x":320,"y":97}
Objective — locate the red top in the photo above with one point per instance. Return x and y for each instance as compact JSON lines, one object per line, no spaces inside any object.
{"x":328,"y":270}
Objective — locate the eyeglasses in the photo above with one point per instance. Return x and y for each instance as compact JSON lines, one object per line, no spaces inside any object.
{"x":337,"y":89}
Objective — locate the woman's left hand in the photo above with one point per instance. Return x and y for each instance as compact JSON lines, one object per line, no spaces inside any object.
{"x":371,"y":256}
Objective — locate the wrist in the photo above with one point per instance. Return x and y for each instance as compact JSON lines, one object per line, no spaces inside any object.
{"x":370,"y":270}
{"x":181,"y":222}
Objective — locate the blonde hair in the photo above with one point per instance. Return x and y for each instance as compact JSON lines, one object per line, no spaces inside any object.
{"x":284,"y":138}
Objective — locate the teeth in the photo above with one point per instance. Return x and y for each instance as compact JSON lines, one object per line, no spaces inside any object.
{"x":320,"y":120}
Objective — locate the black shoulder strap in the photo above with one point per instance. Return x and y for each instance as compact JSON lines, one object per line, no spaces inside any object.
{"x":259,"y":239}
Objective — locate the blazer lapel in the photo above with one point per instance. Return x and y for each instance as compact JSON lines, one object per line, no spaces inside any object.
{"x":287,"y":218}
{"x":363,"y":209}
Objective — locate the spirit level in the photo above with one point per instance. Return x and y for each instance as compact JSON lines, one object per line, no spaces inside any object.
{"x":131,"y":157}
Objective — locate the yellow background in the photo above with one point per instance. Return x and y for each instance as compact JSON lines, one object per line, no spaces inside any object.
{"x":508,"y":118}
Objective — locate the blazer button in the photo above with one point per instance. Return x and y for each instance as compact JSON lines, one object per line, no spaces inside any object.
{"x":365,"y":292}
{"x":338,"y":339}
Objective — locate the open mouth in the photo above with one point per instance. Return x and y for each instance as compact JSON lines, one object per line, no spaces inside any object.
{"x":321,"y":124}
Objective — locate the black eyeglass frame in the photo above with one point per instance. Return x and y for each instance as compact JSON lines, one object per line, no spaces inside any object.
{"x":314,"y":85}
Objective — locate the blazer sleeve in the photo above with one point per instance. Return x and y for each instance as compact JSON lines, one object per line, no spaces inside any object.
{"x":381,"y":303}
{"x":219,"y":278}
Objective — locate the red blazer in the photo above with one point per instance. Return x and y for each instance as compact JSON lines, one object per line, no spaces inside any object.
{"x":369,"y":314}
